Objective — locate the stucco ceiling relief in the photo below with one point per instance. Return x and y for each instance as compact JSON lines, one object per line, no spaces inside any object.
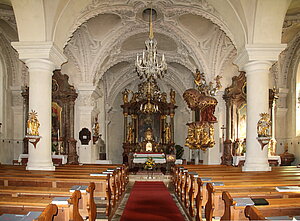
{"x":287,"y":61}
{"x":11,"y":59}
{"x":9,"y":17}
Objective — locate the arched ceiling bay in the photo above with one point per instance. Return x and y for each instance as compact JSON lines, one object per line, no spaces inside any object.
{"x":291,"y":25}
{"x":137,"y":42}
{"x":101,"y":25}
{"x":197,"y":25}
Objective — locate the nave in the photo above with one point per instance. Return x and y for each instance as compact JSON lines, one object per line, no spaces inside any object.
{"x":110,"y":192}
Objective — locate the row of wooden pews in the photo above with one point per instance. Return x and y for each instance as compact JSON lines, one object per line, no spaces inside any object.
{"x":216,"y":188}
{"x":22,"y":191}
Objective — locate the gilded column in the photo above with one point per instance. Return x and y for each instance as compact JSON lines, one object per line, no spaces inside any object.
{"x":172,"y":127}
{"x":125,"y":127}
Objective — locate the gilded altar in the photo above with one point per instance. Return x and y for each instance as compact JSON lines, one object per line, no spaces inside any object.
{"x":148,"y":120}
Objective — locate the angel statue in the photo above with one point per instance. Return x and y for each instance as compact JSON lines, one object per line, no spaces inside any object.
{"x":33,"y":124}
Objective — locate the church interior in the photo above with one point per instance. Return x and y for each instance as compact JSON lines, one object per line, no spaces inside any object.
{"x":111,"y":104}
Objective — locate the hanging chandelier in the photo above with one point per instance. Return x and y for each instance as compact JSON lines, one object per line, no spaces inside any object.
{"x":149,"y":65}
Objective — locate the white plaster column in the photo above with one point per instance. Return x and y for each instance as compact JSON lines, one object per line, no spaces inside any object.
{"x":257,"y":73}
{"x":41,"y":58}
{"x":84,"y":107}
{"x":256,"y":60}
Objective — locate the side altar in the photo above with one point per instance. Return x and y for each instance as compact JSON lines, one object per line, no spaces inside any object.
{"x":148,"y":121}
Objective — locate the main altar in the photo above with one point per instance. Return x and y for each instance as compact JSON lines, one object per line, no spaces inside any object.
{"x":148,"y":122}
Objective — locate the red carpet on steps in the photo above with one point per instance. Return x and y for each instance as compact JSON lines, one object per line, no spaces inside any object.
{"x":150,"y":201}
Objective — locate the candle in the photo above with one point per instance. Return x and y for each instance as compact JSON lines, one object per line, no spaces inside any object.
{"x":58,"y":135}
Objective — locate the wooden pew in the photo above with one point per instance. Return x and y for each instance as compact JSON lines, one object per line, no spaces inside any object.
{"x":114,"y":185}
{"x":290,"y":206}
{"x":48,"y":214}
{"x":114,"y":191}
{"x":23,"y":205}
{"x":187,"y":190}
{"x":87,"y":198}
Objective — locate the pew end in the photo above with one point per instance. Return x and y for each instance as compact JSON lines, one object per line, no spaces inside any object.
{"x":253,"y":213}
{"x":48,"y":214}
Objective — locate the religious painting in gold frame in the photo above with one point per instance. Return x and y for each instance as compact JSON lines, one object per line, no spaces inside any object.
{"x":56,"y":114}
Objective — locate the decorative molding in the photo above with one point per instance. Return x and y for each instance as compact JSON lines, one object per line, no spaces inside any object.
{"x":289,"y":59}
{"x":259,"y":52}
{"x":40,"y":50}
{"x":9,"y":17}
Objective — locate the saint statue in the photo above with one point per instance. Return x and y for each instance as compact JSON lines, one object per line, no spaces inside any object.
{"x":168,"y":133}
{"x":96,"y":128}
{"x":125,"y":95}
{"x":33,"y":124}
{"x":130,"y":136}
{"x":149,"y":135}
{"x":172,"y":96}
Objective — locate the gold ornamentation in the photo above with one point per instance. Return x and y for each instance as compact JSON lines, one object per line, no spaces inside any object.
{"x":203,"y":87}
{"x":264,"y":125}
{"x":167,"y":133}
{"x":130,"y":135}
{"x":150,"y":164}
{"x":125,"y":95}
{"x":33,"y":124}
{"x":200,"y":135}
{"x":172,"y":96}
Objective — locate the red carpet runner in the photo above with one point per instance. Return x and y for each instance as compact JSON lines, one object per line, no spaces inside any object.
{"x":150,"y":201}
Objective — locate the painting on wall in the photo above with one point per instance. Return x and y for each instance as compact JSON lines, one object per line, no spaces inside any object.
{"x":56,"y":121}
{"x":149,"y":121}
{"x":242,"y":114}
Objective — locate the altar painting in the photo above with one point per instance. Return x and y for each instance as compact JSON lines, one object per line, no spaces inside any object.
{"x":56,"y":120}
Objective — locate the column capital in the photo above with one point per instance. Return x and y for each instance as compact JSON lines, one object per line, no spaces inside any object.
{"x":40,"y":50}
{"x":259,"y":52}
{"x":258,"y":65}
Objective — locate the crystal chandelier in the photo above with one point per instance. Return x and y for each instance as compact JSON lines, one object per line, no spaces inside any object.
{"x":149,"y":66}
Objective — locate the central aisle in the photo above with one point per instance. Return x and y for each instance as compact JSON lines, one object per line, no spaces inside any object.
{"x":150,"y":201}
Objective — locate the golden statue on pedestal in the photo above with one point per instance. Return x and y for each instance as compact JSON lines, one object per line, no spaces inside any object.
{"x":33,"y":124}
{"x":264,"y":125}
{"x":130,"y":135}
{"x":168,"y":133}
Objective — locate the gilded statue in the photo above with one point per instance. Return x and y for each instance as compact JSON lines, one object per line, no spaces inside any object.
{"x":172,"y":96}
{"x":33,"y":124}
{"x":199,"y":78}
{"x":149,"y":135}
{"x":96,"y":129}
{"x":164,"y":97}
{"x":125,"y":95}
{"x":264,"y":125}
{"x":167,"y":133}
{"x":130,"y":135}
{"x":190,"y":140}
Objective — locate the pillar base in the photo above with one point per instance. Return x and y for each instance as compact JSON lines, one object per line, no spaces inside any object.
{"x":40,"y":167}
{"x":256,"y":167}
